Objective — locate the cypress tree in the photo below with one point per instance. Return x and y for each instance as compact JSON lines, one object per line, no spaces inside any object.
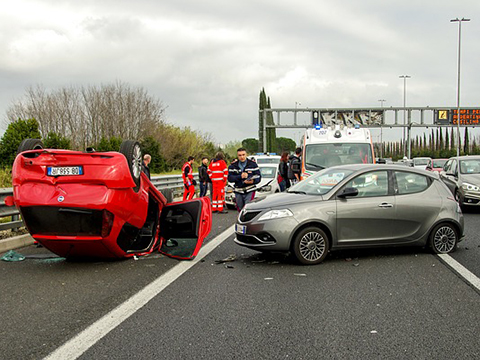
{"x":466,"y":142}
{"x":271,"y":133}
{"x":262,"y":105}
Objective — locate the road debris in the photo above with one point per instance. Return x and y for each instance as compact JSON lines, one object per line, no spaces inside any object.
{"x":230,"y":258}
{"x":13,"y":256}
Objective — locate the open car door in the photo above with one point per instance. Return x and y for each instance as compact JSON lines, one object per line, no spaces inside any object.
{"x":184,"y":226}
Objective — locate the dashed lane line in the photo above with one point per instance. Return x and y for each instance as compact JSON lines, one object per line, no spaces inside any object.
{"x":79,"y":344}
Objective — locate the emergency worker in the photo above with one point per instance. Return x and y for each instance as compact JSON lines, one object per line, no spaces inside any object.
{"x":188,"y":180}
{"x":218,"y":172}
{"x":245,"y":174}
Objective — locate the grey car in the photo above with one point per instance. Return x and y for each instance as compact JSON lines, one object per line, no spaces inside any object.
{"x":462,"y":176}
{"x":354,"y":206}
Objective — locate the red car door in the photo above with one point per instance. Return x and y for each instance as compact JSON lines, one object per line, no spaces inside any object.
{"x":184,"y":226}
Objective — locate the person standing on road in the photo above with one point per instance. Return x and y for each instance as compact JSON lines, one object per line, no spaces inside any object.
{"x":188,"y":180}
{"x":146,"y":161}
{"x":218,"y":172}
{"x":284,"y":182}
{"x":203,"y":177}
{"x":245,"y":174}
{"x":295,"y":166}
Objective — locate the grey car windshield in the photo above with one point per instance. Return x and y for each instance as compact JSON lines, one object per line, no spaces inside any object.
{"x":320,"y":156}
{"x":320,"y":183}
{"x":470,"y":166}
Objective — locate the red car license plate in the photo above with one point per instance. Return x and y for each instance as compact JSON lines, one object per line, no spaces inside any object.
{"x":64,"y":170}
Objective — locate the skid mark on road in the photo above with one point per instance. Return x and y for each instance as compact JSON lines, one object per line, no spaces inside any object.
{"x":463,"y":272}
{"x":78,"y":345}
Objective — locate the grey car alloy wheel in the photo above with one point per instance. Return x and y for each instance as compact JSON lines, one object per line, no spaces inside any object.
{"x":444,"y":239}
{"x":310,"y":246}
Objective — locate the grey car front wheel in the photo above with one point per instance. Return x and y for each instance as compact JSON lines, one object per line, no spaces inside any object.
{"x":310,"y":246}
{"x":443,"y":239}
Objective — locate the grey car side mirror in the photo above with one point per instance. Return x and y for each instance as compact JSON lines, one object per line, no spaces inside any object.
{"x":349,"y":191}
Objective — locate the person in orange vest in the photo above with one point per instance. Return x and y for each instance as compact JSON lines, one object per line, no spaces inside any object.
{"x":188,"y":180}
{"x":218,"y":172}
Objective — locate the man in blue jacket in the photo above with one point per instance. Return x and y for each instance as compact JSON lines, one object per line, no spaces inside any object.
{"x":245,"y":174}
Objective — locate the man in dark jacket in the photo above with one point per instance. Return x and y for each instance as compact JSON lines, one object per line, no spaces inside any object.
{"x":245,"y":174}
{"x":295,"y":166}
{"x":203,"y":176}
{"x":146,"y":161}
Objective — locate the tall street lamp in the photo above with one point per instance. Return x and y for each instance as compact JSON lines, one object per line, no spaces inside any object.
{"x":381,"y":130}
{"x":295,"y":115}
{"x":458,"y":78}
{"x":404,"y":77}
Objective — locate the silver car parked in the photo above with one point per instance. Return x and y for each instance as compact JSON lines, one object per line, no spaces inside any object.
{"x":354,"y":206}
{"x":462,"y":176}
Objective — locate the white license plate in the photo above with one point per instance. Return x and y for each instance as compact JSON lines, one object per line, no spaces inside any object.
{"x":240,"y":229}
{"x":64,"y":171}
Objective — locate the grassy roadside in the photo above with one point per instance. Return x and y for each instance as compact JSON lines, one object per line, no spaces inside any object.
{"x":5,"y":177}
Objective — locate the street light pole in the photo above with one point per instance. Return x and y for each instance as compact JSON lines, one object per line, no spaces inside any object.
{"x":404,"y":77}
{"x":458,"y":78}
{"x":295,"y":114}
{"x":381,"y":130}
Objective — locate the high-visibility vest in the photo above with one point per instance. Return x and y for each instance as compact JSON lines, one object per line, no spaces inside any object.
{"x":218,"y":170}
{"x":188,"y":180}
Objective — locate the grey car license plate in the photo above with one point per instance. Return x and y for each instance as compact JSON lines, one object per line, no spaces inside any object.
{"x":240,"y":229}
{"x":64,"y":170}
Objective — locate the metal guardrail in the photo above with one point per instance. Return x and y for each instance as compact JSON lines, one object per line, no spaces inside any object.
{"x":172,"y":182}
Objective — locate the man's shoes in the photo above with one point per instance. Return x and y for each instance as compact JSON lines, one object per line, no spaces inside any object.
{"x":223,"y":212}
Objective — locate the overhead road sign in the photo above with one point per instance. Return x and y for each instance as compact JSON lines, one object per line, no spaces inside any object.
{"x":468,"y":117}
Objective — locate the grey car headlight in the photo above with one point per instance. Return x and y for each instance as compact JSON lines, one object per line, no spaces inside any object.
{"x":470,"y":187}
{"x":275,"y":214}
{"x":265,"y":188}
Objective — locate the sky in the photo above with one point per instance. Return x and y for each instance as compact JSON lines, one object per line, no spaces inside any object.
{"x":207,"y":61}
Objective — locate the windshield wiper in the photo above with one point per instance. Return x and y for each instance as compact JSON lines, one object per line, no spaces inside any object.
{"x":315,"y":165}
{"x":296,"y":192}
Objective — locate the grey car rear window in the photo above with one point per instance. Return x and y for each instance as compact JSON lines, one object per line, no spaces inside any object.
{"x":409,"y":183}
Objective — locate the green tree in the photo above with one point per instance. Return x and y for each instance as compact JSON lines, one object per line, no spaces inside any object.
{"x":13,"y":136}
{"x":152,"y":147}
{"x":264,"y":103}
{"x":230,"y":149}
{"x":466,"y":142}
{"x":110,"y":144}
{"x":284,"y":144}
{"x":251,"y":145}
{"x":56,"y":141}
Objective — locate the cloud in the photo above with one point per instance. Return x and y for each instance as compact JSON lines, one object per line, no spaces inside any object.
{"x":207,"y":61}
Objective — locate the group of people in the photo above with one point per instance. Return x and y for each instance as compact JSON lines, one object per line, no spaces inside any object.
{"x":289,"y":169}
{"x":243,"y":172}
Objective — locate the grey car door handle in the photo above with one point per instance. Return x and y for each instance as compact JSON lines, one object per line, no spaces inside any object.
{"x":385,"y":205}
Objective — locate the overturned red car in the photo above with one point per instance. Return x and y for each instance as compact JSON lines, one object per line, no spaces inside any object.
{"x":100,"y":204}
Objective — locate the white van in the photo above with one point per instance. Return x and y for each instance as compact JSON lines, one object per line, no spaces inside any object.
{"x":336,"y":145}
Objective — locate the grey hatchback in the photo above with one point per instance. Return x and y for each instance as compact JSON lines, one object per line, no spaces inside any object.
{"x":354,"y":206}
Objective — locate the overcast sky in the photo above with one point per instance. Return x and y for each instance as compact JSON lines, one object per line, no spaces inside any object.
{"x":208,"y":60}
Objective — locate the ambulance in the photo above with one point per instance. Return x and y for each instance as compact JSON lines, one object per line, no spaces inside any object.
{"x":326,"y":146}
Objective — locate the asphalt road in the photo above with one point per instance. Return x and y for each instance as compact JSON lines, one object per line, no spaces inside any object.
{"x":400,"y":303}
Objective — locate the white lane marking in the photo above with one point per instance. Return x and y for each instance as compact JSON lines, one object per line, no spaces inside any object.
{"x":461,"y":270}
{"x":79,"y":344}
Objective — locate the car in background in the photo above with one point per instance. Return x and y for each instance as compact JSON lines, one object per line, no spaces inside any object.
{"x":354,"y":206}
{"x":462,"y":176}
{"x":266,"y":158}
{"x":100,"y":204}
{"x":436,"y":164}
{"x":421,"y":162}
{"x":267,"y":185}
